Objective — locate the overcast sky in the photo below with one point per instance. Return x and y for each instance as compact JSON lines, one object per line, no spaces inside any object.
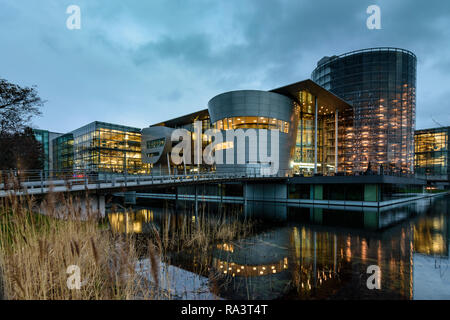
{"x":140,"y":62}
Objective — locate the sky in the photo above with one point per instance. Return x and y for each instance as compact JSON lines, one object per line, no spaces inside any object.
{"x":141,"y":62}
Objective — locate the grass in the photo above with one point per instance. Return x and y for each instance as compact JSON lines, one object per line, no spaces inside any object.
{"x":203,"y":230}
{"x":37,"y":250}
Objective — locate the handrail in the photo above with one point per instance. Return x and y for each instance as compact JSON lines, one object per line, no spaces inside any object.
{"x":71,"y":180}
{"x":34,"y":181}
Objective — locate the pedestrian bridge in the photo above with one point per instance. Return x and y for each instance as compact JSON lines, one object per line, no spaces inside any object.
{"x":33,"y":183}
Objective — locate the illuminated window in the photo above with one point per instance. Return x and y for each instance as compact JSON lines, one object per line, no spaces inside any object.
{"x":252,"y":123}
{"x":156,"y":143}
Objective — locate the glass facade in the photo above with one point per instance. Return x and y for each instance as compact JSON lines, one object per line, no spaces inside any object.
{"x":63,"y":152}
{"x":381,"y":85}
{"x":157,"y":143}
{"x":301,"y":152}
{"x":42,"y":136}
{"x":304,"y":154}
{"x":100,"y":147}
{"x":252,"y":122}
{"x":104,"y":147}
{"x":432,"y":149}
{"x":45,"y":138}
{"x":187,"y":123}
{"x":254,"y":112}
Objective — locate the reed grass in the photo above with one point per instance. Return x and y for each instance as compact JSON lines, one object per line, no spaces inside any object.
{"x":202,"y":230}
{"x":36,"y":250}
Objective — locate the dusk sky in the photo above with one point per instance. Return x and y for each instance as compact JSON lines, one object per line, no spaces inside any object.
{"x":140,"y":62}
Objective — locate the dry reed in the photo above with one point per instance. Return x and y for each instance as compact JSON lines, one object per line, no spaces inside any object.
{"x":36,"y":251}
{"x":202,"y":230}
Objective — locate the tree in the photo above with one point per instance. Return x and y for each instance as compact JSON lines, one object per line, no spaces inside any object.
{"x":20,"y":150}
{"x":17,"y":106}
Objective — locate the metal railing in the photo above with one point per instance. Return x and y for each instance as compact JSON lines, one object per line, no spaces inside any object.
{"x":39,"y":182}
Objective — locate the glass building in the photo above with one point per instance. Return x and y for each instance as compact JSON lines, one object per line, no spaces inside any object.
{"x":307,"y":116}
{"x":318,"y":127}
{"x":45,"y":137}
{"x":432,"y":153}
{"x":357,"y":112}
{"x":100,"y":147}
{"x":156,"y":141}
{"x":380,"y":83}
{"x":42,"y":137}
{"x":63,"y":152}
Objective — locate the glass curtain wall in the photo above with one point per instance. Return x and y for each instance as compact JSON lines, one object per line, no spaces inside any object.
{"x":188,"y":124}
{"x":63,"y":153}
{"x":380,"y":83}
{"x":304,"y":156}
{"x":252,"y":123}
{"x":42,"y":136}
{"x":104,"y":147}
{"x":432,"y":149}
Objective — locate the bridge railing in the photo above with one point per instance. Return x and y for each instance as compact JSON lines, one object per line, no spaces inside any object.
{"x":68,"y":179}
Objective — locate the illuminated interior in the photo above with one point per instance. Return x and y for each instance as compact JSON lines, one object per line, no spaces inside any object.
{"x":303,"y":160}
{"x":158,"y":143}
{"x":252,"y":123}
{"x":63,"y":152}
{"x":303,"y":119}
{"x":104,"y":147}
{"x":380,"y":84}
{"x":431,"y":152}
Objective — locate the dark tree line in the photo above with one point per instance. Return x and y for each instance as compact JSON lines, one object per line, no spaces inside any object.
{"x":19,"y":148}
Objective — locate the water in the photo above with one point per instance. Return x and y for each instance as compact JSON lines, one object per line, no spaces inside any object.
{"x":317,"y":253}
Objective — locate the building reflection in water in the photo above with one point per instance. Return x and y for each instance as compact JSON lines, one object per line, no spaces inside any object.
{"x":430,"y":235}
{"x":130,"y":222}
{"x":314,"y":259}
{"x":431,"y":254}
{"x":315,"y":264}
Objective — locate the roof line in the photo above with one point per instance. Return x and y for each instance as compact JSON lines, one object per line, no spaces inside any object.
{"x":394,"y":49}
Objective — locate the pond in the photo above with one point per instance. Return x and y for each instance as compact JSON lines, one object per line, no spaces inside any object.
{"x":310,"y":252}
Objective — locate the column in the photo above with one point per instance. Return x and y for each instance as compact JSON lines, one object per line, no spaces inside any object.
{"x":301,"y":137}
{"x":315,"y":134}
{"x":336,"y":117}
{"x":168,"y":162}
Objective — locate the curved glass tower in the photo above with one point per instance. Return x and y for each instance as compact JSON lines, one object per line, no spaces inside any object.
{"x":380,"y":84}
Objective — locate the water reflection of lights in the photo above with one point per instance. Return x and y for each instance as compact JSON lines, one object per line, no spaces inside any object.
{"x":305,"y":279}
{"x":429,"y":236}
{"x":364,"y":250}
{"x":319,"y":259}
{"x":226,"y":247}
{"x":130,"y":222}
{"x":348,"y":251}
{"x":250,"y":270}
